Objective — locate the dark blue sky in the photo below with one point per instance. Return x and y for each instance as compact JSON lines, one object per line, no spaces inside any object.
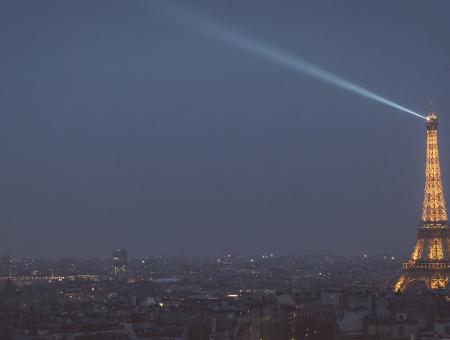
{"x":121,"y":128}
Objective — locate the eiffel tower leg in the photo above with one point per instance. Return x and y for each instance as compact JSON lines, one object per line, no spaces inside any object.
{"x":439,"y":281}
{"x":405,"y":280}
{"x":400,"y":285}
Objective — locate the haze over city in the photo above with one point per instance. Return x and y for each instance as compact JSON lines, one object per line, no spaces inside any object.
{"x":123,"y":128}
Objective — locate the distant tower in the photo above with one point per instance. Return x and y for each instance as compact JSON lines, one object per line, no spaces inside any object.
{"x":119,"y":264}
{"x":429,"y":263}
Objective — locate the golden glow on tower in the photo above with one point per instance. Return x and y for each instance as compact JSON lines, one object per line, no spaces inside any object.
{"x":433,"y":202}
{"x":436,"y":252}
{"x":398,"y":287}
{"x":438,"y":282}
{"x":418,"y":250}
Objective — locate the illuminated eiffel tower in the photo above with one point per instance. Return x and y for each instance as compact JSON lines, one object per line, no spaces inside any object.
{"x":429,"y":263}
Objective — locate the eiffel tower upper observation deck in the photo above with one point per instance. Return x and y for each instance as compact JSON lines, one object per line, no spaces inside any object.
{"x":430,"y":259}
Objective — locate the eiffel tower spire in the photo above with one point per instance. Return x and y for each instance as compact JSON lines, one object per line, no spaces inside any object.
{"x":433,"y":212}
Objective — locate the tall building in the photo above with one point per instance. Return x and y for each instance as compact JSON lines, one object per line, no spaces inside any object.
{"x":119,"y":263}
{"x":429,"y":264}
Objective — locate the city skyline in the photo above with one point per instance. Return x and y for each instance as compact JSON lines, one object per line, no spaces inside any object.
{"x":224,"y":170}
{"x":121,"y":129}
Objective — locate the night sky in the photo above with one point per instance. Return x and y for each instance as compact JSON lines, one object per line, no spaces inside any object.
{"x":122,"y":128}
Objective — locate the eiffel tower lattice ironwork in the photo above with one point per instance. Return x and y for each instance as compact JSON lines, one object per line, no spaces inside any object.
{"x":430,"y":259}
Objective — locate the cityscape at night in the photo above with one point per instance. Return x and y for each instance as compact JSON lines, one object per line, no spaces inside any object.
{"x":224,"y":170}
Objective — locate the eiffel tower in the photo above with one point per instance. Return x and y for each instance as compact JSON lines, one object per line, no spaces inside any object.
{"x":429,"y":263}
